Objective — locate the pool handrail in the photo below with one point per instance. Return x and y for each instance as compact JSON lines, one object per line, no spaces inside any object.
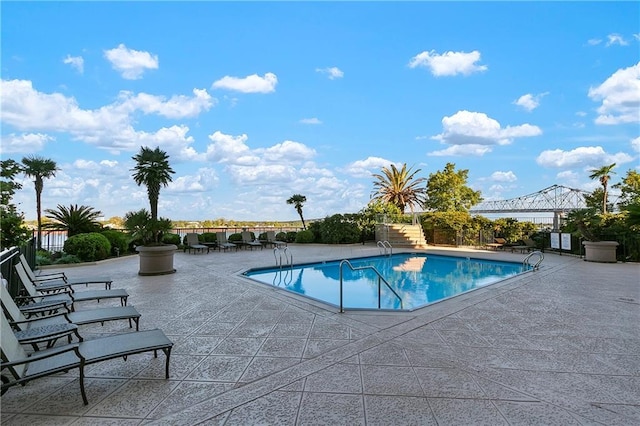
{"x":380,"y":278}
{"x":384,"y":245}
{"x":287,"y":256}
{"x":536,"y":266}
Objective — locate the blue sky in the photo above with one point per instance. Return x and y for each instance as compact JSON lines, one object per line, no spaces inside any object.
{"x":255,"y":102}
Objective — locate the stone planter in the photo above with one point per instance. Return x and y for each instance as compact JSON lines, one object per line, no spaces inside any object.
{"x":600,"y":251}
{"x":156,"y":260}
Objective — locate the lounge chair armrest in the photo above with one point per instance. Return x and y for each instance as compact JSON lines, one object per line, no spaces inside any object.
{"x":40,"y":318}
{"x":44,"y":278}
{"x":47,"y":353}
{"x":46,"y":289}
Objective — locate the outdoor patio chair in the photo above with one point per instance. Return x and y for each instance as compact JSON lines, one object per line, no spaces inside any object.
{"x":62,"y":291}
{"x":223,"y":243}
{"x":248,"y":241}
{"x":42,"y":279}
{"x":271,"y":239}
{"x":89,"y":316}
{"x":20,"y":368}
{"x":193,"y":243}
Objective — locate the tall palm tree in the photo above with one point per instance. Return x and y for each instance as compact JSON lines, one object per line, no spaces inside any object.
{"x":298,"y":200}
{"x":39,"y":168}
{"x":153,"y":171}
{"x":74,"y":219}
{"x":604,"y":175}
{"x":397,"y":186}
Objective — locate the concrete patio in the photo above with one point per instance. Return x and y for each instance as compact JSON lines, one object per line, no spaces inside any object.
{"x":557,"y":346}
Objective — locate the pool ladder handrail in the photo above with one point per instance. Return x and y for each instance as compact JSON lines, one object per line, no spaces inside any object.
{"x":384,"y":245}
{"x":288,"y":257}
{"x":536,"y":266}
{"x":380,"y":279}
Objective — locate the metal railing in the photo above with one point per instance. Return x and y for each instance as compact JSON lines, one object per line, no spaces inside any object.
{"x":536,"y":266}
{"x":380,"y":280}
{"x":279,"y":251}
{"x":384,"y":245}
{"x":11,"y":256}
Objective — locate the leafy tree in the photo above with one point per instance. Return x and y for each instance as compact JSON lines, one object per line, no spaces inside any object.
{"x":629,"y":188}
{"x":603,"y":174}
{"x":39,"y":168}
{"x":447,"y":191}
{"x":298,"y":200}
{"x":153,"y":171}
{"x":398,"y":186}
{"x":13,"y":231}
{"x":74,"y":219}
{"x":9,"y":169}
{"x":144,"y":229}
{"x":376,"y":212}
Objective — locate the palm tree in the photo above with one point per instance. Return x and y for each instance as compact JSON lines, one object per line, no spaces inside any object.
{"x":603,"y":174}
{"x":75,"y":220}
{"x":397,"y":186}
{"x":297,"y":200}
{"x":39,"y":168}
{"x":153,"y":171}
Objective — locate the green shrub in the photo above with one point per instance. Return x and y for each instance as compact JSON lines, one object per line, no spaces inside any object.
{"x":234,"y":238}
{"x":208,"y":237}
{"x":42,"y":259}
{"x":291,"y":236}
{"x":119,"y":241}
{"x":88,"y":247}
{"x":262,"y":236}
{"x":340,"y":229}
{"x":305,"y":236}
{"x":281,"y":236}
{"x":67,"y":259}
{"x":171,"y":239}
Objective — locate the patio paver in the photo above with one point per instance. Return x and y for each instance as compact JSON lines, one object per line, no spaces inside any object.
{"x":557,"y":346}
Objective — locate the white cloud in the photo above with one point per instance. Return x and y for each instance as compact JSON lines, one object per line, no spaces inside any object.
{"x":449,"y":63}
{"x":26,"y":143}
{"x":332,"y":72}
{"x":289,"y":151}
{"x":178,"y":106}
{"x":616,"y":39}
{"x":594,"y":41}
{"x":228,"y":148}
{"x":637,"y":36}
{"x":473,"y":133}
{"x":365,"y":168}
{"x":131,"y":64}
{"x":312,"y":120}
{"x":203,"y":180}
{"x":635,"y":144}
{"x":530,"y":102}
{"x":503,"y":176}
{"x":250,"y":84}
{"x":109,"y":127}
{"x":76,"y":62}
{"x":581,"y":114}
{"x":585,"y":156}
{"x":620,"y":96}
{"x":462,"y":151}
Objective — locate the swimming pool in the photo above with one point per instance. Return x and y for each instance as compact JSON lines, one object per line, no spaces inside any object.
{"x":417,"y":278}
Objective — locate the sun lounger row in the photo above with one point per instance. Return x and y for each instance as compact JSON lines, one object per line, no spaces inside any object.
{"x":47,"y":315}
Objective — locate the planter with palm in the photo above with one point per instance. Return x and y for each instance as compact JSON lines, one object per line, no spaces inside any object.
{"x":153,"y":171}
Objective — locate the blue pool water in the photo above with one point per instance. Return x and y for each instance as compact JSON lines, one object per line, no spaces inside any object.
{"x":418,"y":279}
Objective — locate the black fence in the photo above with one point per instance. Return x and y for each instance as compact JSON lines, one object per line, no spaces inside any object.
{"x":53,"y":241}
{"x":11,"y":256}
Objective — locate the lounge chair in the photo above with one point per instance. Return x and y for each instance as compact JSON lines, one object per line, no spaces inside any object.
{"x":62,"y":291}
{"x":61,"y":276}
{"x":497,"y":243}
{"x":20,"y":368}
{"x":223,"y":243}
{"x":89,"y":316}
{"x":194,"y":244}
{"x":248,"y":241}
{"x":528,"y":245}
{"x":271,"y":239}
